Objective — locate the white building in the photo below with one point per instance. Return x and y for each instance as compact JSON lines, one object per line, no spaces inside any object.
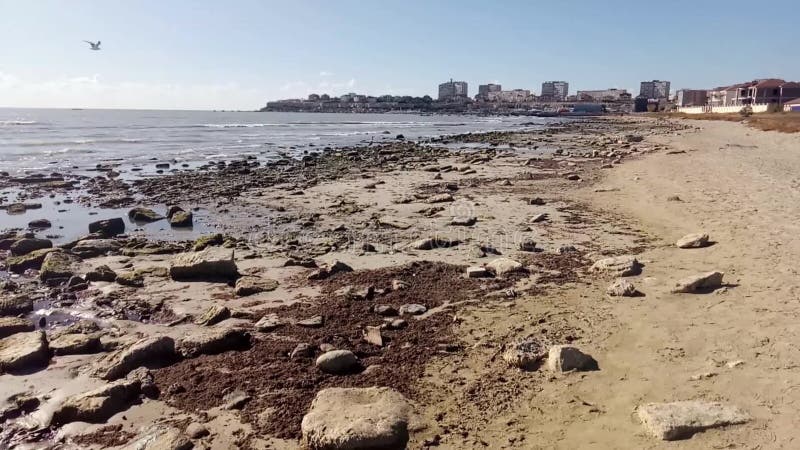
{"x":453,"y":90}
{"x":512,"y":96}
{"x":604,"y":95}
{"x":655,"y":89}
{"x":555,"y":91}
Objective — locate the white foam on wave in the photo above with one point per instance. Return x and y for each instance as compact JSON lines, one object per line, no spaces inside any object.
{"x":18,"y":122}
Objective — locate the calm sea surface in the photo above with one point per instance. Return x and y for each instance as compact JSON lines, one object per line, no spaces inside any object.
{"x":50,"y":139}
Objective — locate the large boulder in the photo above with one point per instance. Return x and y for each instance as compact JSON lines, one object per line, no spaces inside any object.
{"x":14,"y":325}
{"x":22,"y":352}
{"x":75,"y":344}
{"x":503,"y":266}
{"x":254,"y":285}
{"x":699,"y":283}
{"x":338,"y":362}
{"x":57,"y":265}
{"x":355,"y":419}
{"x":621,"y":266}
{"x":108,"y":227}
{"x":213,"y":263}
{"x":27,"y":245}
{"x":98,"y":405}
{"x":145,"y":352}
{"x":680,"y":420}
{"x":141,"y":214}
{"x":693,"y":240}
{"x":32,"y":260}
{"x":213,"y":341}
{"x":89,"y":248}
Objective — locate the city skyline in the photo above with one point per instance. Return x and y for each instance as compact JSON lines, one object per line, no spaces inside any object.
{"x":204,"y":55}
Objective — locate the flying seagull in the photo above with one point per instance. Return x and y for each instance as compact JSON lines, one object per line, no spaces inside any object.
{"x":95,"y":45}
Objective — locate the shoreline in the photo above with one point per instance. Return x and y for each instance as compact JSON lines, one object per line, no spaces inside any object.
{"x":406,"y":225}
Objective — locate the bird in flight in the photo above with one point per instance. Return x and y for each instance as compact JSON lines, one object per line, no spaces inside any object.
{"x":95,"y":45}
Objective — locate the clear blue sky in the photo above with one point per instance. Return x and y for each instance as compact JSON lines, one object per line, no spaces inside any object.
{"x":238,"y":54}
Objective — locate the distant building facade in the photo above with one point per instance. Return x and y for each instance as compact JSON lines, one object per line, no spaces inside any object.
{"x":485,"y":89}
{"x":769,"y":90}
{"x":655,"y":89}
{"x":604,"y":95}
{"x":453,"y":90}
{"x":555,"y":91}
{"x":512,"y":96}
{"x":692,"y":97}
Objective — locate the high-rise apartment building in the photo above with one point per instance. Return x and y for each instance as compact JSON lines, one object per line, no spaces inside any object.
{"x":655,"y":89}
{"x":452,"y":90}
{"x":556,"y":91}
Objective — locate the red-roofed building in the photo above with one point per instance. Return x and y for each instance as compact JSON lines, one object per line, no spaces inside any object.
{"x":768,"y":90}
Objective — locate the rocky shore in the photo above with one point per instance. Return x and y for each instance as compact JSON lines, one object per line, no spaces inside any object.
{"x":407,"y":294}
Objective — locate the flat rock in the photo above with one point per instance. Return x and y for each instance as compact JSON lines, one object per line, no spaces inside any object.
{"x":477,"y":272}
{"x":621,"y":266}
{"x":98,"y":405}
{"x":503,"y":266}
{"x":621,"y":288}
{"x":413,"y":309}
{"x":210,"y":264}
{"x":373,"y":336}
{"x":214,"y":315}
{"x":248,"y":285}
{"x":337,"y":362}
{"x":269,"y":322}
{"x":196,"y":430}
{"x":680,"y":420}
{"x":147,"y":351}
{"x":693,"y":240}
{"x":90,"y":248}
{"x":699,"y":283}
{"x":22,"y":352}
{"x":32,"y":260}
{"x":181,"y":219}
{"x":312,"y":322}
{"x":14,"y":325}
{"x":74,"y":344}
{"x":463,"y":221}
{"x":433,"y":243}
{"x":212,"y":342}
{"x":563,"y":358}
{"x":160,"y":437}
{"x":525,"y":354}
{"x":235,"y":400}
{"x":356,"y":418}
{"x":18,"y":304}
{"x":440,"y":198}
{"x":391,"y":222}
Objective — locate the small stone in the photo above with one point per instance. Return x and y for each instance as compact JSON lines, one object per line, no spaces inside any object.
{"x":396,"y":324}
{"x":573,"y":177}
{"x":621,"y":288}
{"x":527,"y":245}
{"x":312,"y":322}
{"x":196,"y":430}
{"x":563,"y":358}
{"x":680,"y":420}
{"x":385,"y":310}
{"x":541,"y":217}
{"x":412,"y":309}
{"x":373,"y":336}
{"x":144,"y":215}
{"x":440,"y":198}
{"x":181,"y":219}
{"x":302,"y":350}
{"x":621,"y":266}
{"x":693,"y":240}
{"x":268,"y":323}
{"x":525,"y":354}
{"x":699,"y":283}
{"x":108,"y":227}
{"x":337,"y":362}
{"x":39,"y":224}
{"x":433,"y":243}
{"x":248,"y":285}
{"x":732,"y":364}
{"x":214,"y":315}
{"x":235,"y":400}
{"x":399,"y":285}
{"x":130,"y":279}
{"x":463,"y":221}
{"x":477,"y":272}
{"x":503,"y":266}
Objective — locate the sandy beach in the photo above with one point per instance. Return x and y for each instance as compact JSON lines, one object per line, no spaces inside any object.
{"x":474,"y":281}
